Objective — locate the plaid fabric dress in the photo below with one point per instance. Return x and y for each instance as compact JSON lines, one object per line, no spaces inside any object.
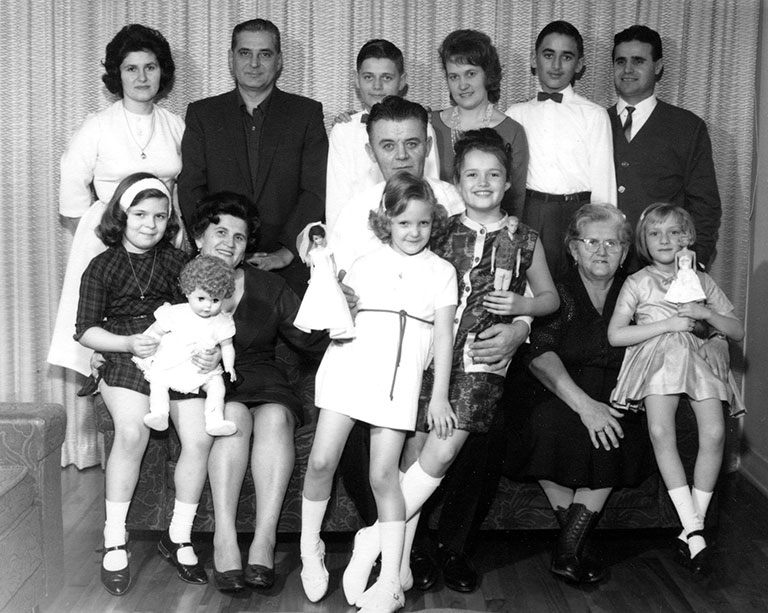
{"x":110,"y":298}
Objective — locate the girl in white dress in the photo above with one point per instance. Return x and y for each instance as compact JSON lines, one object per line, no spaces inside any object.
{"x":663,"y":362}
{"x":132,"y":135}
{"x":407,"y":300}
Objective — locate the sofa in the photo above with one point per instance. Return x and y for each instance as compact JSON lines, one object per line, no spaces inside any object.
{"x":31,"y":533}
{"x":516,"y":506}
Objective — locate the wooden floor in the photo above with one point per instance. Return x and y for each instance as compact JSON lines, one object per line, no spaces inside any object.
{"x":514,"y":567}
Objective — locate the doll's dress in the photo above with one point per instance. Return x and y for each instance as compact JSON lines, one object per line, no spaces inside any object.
{"x":324,"y":306}
{"x":669,"y":363}
{"x":685,"y":287}
{"x":171,"y":366}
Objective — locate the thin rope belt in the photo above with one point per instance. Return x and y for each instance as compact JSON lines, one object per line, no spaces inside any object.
{"x":403,"y":317}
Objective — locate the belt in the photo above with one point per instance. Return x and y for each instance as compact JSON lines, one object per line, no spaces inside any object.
{"x":577,"y":197}
{"x":403,"y":315}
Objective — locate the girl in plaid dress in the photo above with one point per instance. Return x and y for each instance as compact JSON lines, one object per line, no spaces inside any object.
{"x":119,"y":292}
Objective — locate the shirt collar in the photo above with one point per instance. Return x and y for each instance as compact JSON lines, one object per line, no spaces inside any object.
{"x":644,"y":106}
{"x":491,"y":227}
{"x":263,"y":106}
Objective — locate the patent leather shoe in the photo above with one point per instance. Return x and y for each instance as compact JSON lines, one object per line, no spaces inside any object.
{"x":424,"y":569}
{"x":190,"y":573}
{"x":229,"y":581}
{"x":116,"y":582}
{"x":458,"y":573}
{"x":700,"y":564}
{"x":259,"y":577}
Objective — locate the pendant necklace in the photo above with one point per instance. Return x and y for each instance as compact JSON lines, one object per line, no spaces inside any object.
{"x":133,"y":136}
{"x":457,"y":132}
{"x":142,"y":292}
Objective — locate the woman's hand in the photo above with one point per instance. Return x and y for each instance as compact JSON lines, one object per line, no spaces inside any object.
{"x":142,"y":345}
{"x":715,"y":352}
{"x":271,"y":261}
{"x":440,"y":418}
{"x":601,"y":422}
{"x":207,"y":359}
{"x":504,"y":302}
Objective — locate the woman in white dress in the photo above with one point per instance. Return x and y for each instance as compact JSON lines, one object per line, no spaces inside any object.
{"x":132,"y":135}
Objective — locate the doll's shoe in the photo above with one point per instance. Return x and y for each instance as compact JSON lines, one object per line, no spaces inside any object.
{"x":156,"y":421}
{"x":219,"y":427}
{"x":191,"y":573}
{"x":380,"y":598}
{"x":116,"y":582}
{"x":314,"y":576}
{"x":364,"y":554}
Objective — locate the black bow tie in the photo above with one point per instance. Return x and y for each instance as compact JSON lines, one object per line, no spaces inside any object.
{"x":554,"y":96}
{"x":364,"y":118}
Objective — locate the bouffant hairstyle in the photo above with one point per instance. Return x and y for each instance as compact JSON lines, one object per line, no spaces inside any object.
{"x":136,"y":37}
{"x":400,"y":189}
{"x":209,"y":274}
{"x":486,"y":140}
{"x":210,"y":208}
{"x":598,"y":213}
{"x":475,"y":48}
{"x":657,"y":213}
{"x":381,"y":49}
{"x":395,"y":108}
{"x":112,"y":226}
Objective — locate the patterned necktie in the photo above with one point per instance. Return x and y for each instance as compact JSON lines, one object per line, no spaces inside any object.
{"x":628,"y":123}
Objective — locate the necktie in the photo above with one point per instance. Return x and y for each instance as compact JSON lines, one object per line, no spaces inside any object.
{"x":554,"y":96}
{"x":628,"y":123}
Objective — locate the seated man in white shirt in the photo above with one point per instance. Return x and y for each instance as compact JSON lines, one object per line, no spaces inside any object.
{"x":380,"y":73}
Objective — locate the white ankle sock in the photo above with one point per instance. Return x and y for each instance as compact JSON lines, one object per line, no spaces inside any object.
{"x":114,"y":534}
{"x":312,"y":513}
{"x":683,"y":501}
{"x":180,"y":530}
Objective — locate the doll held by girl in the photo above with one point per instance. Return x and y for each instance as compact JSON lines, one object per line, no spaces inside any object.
{"x":184,"y":330}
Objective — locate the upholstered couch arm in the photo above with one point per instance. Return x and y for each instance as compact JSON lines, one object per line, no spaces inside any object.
{"x":30,"y":432}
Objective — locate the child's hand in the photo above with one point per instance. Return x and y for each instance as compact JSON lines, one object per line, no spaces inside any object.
{"x":504,"y":302}
{"x":343,"y":117}
{"x":694,"y":310}
{"x":441,"y":419}
{"x":678,"y":323}
{"x":142,"y":346}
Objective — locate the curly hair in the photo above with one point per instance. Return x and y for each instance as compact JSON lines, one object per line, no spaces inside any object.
{"x":209,"y":274}
{"x":598,"y":213}
{"x":210,"y":208}
{"x":475,"y":48}
{"x":136,"y":37}
{"x":112,"y":226}
{"x":400,"y":189}
{"x":486,"y":140}
{"x":657,"y":213}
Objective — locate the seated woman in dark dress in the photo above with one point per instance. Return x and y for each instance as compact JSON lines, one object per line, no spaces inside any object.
{"x":264,"y":404}
{"x":575,"y":444}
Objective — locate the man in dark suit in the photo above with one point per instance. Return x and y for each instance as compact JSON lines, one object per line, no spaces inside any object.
{"x":262,"y":142}
{"x":664,"y":154}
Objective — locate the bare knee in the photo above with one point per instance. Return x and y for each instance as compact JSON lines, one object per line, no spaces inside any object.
{"x":662,"y":436}
{"x":712,"y":437}
{"x":271,"y":421}
{"x":384,"y":480}
{"x":132,"y":439}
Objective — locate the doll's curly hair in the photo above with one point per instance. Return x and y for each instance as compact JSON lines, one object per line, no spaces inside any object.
{"x":209,"y":274}
{"x":401,"y":188}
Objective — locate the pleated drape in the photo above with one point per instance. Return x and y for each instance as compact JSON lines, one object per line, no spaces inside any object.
{"x":50,"y":80}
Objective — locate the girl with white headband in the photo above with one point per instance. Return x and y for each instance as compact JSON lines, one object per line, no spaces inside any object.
{"x":119,"y":293}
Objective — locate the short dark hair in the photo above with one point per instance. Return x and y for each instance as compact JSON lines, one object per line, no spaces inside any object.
{"x":381,"y":49}
{"x":316,"y":230}
{"x":400,"y":189}
{"x":210,"y":208}
{"x":112,"y":226}
{"x":395,"y":108}
{"x":257,"y":25}
{"x":487,"y":140}
{"x":656,"y":213}
{"x":642,"y":34}
{"x":566,"y":29}
{"x":210,"y":274}
{"x":136,"y":37}
{"x":475,"y":48}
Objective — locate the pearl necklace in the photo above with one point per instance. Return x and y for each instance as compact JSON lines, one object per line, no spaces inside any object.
{"x":142,"y":292}
{"x":133,"y":136}
{"x":457,"y":132}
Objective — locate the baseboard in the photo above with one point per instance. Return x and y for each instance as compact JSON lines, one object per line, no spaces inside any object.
{"x":754,"y":467}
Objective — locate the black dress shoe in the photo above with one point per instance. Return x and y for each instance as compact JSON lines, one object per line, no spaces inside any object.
{"x":191,"y":573}
{"x":116,"y":582}
{"x":423,"y":568}
{"x":682,"y":553}
{"x":230,"y":581}
{"x":458,"y":573}
{"x":700,"y":563}
{"x":259,"y":577}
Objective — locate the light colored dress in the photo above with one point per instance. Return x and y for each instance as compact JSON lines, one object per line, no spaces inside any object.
{"x":363,"y":378}
{"x":102,"y":152}
{"x":668,"y":364}
{"x":186,"y":333}
{"x":324,"y":306}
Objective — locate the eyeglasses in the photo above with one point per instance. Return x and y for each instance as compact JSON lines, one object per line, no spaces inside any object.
{"x":593,"y":244}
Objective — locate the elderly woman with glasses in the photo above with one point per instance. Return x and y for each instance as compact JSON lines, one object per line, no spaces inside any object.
{"x":574,"y":443}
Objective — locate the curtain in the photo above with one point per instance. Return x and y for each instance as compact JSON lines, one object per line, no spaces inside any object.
{"x":50,"y":80}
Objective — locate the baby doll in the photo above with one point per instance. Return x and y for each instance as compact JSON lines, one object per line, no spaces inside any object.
{"x":324,"y":306}
{"x":184,"y":330}
{"x":686,"y":286}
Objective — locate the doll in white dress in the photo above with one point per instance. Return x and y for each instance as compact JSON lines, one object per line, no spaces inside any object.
{"x":324,"y":306}
{"x":184,"y":330}
{"x":686,"y":286}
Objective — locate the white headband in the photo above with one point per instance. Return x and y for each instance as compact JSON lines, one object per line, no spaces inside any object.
{"x":142,"y":184}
